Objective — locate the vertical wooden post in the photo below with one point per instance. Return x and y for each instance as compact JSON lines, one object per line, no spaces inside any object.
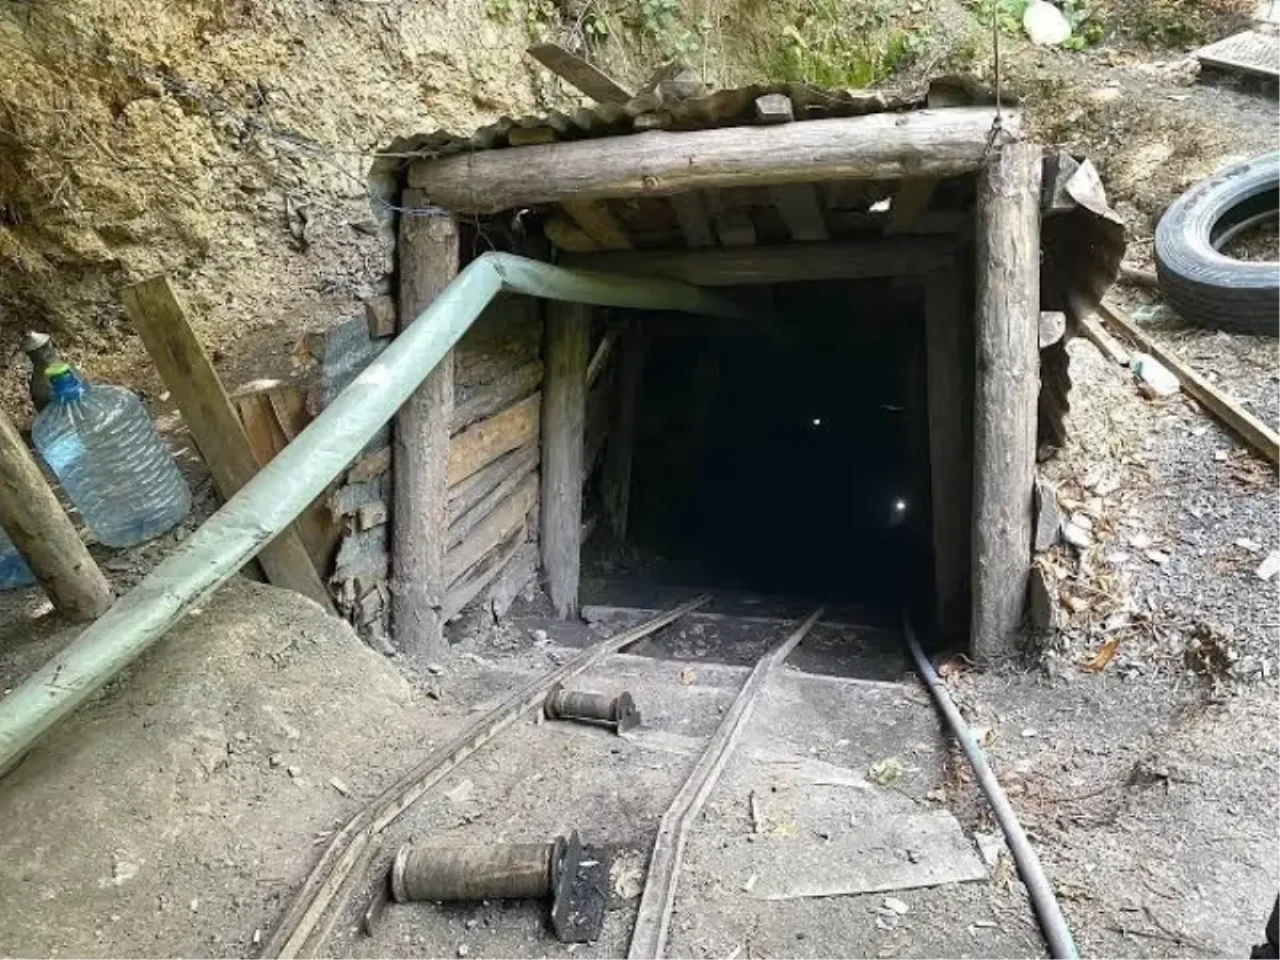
{"x":215,"y":426}
{"x":616,"y":482}
{"x":568,"y":331}
{"x":34,"y":520}
{"x":948,"y":360}
{"x":1006,"y":335}
{"x":429,"y":260}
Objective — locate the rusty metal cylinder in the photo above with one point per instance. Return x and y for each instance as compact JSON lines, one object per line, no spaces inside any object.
{"x":619,"y":711}
{"x":490,"y":872}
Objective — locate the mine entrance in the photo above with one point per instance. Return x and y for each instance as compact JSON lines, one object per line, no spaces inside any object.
{"x":789,"y":459}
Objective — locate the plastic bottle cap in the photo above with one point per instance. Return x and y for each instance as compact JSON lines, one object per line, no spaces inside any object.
{"x":56,"y":370}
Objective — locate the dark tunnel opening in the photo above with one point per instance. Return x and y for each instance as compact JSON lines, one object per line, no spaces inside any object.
{"x":791,"y":460}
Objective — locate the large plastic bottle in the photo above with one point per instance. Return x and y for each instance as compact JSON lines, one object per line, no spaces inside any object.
{"x":14,"y":571}
{"x":104,"y":449}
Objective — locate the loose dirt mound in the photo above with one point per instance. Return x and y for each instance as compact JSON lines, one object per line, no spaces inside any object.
{"x":173,"y":815}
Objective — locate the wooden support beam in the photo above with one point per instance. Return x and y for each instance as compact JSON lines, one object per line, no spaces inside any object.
{"x":882,"y":146}
{"x":462,"y":526}
{"x":215,"y":425}
{"x":492,"y":529}
{"x":792,"y":262}
{"x":601,"y":357}
{"x":695,"y":222}
{"x":45,"y":537}
{"x":1005,"y":394}
{"x":616,"y":481}
{"x":597,"y":222}
{"x":734,"y":227}
{"x":578,"y":73}
{"x":910,"y":202}
{"x":568,"y":331}
{"x":798,"y":204}
{"x":465,"y":495}
{"x":483,"y":442}
{"x":1225,"y":408}
{"x":566,"y":235}
{"x":949,"y":362}
{"x":430,"y":252}
{"x":496,"y":396}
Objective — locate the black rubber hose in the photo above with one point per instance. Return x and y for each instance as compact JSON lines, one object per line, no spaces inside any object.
{"x":1054,"y":925}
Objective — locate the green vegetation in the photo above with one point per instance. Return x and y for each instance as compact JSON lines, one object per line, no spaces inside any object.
{"x":1085,"y":19}
{"x":835,"y":43}
{"x":1184,"y":23}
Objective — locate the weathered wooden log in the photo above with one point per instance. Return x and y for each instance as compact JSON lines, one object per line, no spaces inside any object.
{"x":513,"y":578}
{"x":598,"y":222}
{"x":949,"y":361}
{"x":482,"y":443}
{"x":492,"y":397}
{"x":563,"y":420}
{"x":492,"y":529}
{"x":801,"y":211}
{"x":616,"y":485}
{"x":430,"y":252}
{"x":695,"y":222}
{"x":883,"y":146}
{"x":215,"y":425}
{"x":37,"y":525}
{"x":506,"y":336}
{"x":579,"y":73}
{"x":465,"y":495}
{"x":471,"y":518}
{"x":488,"y":569}
{"x":787,"y":263}
{"x":1005,"y":394}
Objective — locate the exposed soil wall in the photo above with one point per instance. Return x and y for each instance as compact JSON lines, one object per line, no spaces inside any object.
{"x":224,"y":142}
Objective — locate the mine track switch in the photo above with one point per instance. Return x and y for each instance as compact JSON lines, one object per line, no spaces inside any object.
{"x":573,"y":877}
{"x":618,"y":712}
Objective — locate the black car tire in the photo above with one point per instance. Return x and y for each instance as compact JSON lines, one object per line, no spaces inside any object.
{"x":1204,"y":286}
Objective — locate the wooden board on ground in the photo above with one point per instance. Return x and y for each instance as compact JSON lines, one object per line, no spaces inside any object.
{"x":1254,"y":52}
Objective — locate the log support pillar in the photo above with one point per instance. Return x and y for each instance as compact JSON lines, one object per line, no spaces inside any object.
{"x":568,"y":330}
{"x":1006,"y":321}
{"x":429,"y":260}
{"x":949,"y":366}
{"x":616,"y":483}
{"x":38,"y":527}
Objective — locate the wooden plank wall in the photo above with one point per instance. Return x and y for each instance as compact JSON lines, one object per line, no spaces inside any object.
{"x":494,"y":457}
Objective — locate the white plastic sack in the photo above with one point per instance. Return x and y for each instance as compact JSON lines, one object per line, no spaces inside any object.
{"x":1045,"y":24}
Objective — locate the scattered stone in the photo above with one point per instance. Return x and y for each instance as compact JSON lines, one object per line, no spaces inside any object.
{"x":750,"y":884}
{"x":257,"y":936}
{"x":1083,"y":521}
{"x":896,"y":905}
{"x":1048,"y":517}
{"x":540,"y":636}
{"x":1030,"y":732}
{"x":1045,"y":24}
{"x":1158,"y":557}
{"x":1244,"y":543}
{"x":436,"y":669}
{"x":195,"y":904}
{"x":885,"y":772}
{"x":275,"y":760}
{"x":339,"y":786}
{"x":1269,"y":567}
{"x":1140,"y":541}
{"x":1078,"y":537}
{"x":471,"y":923}
{"x":1041,"y":609}
{"x":294,"y":772}
{"x":463,"y":950}
{"x":990,"y":847}
{"x":1221,"y":456}
{"x":1154,"y":378}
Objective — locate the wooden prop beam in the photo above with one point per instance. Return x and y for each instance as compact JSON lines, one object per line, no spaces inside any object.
{"x":568,"y":331}
{"x":786,"y":263}
{"x":649,"y":935}
{"x":327,"y":880}
{"x":430,"y":252}
{"x":1007,"y":320}
{"x":949,"y":361}
{"x":215,"y":425}
{"x":1224,"y":407}
{"x":882,"y":146}
{"x":578,"y":73}
{"x":616,"y":482}
{"x":37,"y":525}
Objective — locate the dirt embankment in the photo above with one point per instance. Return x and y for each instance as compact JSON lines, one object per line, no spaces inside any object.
{"x":226,"y":143}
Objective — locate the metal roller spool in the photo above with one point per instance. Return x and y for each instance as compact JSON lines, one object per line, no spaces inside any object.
{"x":619,"y":712}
